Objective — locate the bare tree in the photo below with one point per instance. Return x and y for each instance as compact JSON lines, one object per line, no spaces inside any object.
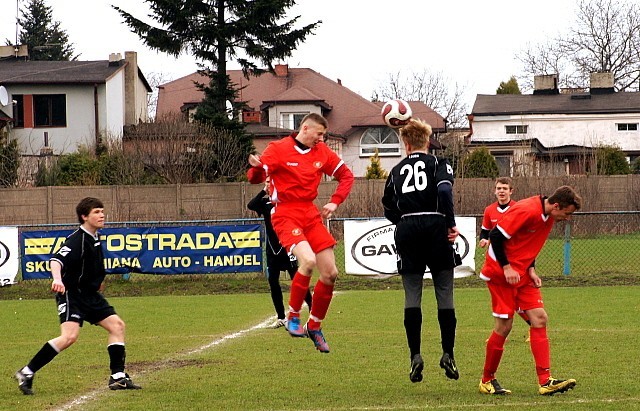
{"x":431,"y":88}
{"x":180,"y":152}
{"x":166,"y":148}
{"x":155,"y":79}
{"x":605,"y":37}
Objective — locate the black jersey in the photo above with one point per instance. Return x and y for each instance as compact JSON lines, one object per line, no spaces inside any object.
{"x":412,"y":187}
{"x":262,"y":205}
{"x":82,"y":262}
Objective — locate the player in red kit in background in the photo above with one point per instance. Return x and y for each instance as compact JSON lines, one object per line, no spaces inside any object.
{"x":295,"y":166}
{"x":493,"y":213}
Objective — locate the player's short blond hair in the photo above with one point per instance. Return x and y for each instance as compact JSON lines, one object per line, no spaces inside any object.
{"x":416,"y":133}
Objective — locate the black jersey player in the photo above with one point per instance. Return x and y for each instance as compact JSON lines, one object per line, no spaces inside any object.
{"x":418,"y":199}
{"x":77,"y":268}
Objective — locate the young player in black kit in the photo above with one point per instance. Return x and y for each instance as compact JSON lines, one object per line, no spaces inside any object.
{"x":277,"y":258}
{"x":78,"y":271}
{"x":418,"y":199}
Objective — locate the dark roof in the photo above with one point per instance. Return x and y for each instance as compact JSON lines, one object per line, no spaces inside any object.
{"x":260,"y":130}
{"x":582,"y":103}
{"x":14,"y":71}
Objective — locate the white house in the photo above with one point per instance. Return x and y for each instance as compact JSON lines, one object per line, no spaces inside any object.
{"x":549,"y":132}
{"x":55,"y":106}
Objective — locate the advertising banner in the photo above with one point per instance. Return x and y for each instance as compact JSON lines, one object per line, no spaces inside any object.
{"x":157,"y":250}
{"x":9,"y":255}
{"x":370,"y":248}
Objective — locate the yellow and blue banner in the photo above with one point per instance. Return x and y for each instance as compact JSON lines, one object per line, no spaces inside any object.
{"x":156,"y":250}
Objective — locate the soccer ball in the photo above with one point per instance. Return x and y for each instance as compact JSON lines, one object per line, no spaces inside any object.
{"x":396,"y":113}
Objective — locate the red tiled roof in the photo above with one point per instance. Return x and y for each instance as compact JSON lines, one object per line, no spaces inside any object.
{"x":346,"y":109}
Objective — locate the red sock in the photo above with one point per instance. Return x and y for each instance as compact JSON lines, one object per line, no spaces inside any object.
{"x":299,"y":287}
{"x":541,"y":355}
{"x":495,"y":348}
{"x":322,"y":295}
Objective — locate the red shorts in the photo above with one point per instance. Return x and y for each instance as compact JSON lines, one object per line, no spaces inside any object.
{"x":294,"y":223}
{"x":506,"y":299}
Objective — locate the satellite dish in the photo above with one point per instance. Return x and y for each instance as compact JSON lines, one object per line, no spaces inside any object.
{"x":4,"y":96}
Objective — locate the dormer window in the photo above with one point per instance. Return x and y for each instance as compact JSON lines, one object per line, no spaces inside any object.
{"x":383,"y":139}
{"x":516,"y":129}
{"x":291,"y":120}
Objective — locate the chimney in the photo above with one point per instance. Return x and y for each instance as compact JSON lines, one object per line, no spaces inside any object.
{"x":131,"y":109}
{"x":282,"y":70}
{"x":251,"y":117}
{"x":545,"y":84}
{"x":339,"y":82}
{"x":601,"y":83}
{"x":114,"y":59}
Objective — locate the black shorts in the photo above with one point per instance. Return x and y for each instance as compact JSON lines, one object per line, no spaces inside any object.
{"x":421,"y":242}
{"x":92,"y":308}
{"x":281,"y":262}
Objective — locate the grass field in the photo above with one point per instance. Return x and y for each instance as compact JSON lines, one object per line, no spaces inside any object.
{"x":207,"y":353}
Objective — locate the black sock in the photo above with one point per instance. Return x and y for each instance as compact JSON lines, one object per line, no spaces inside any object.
{"x":413,"y":328}
{"x":116,"y":357}
{"x":43,"y":357}
{"x":447,"y":321}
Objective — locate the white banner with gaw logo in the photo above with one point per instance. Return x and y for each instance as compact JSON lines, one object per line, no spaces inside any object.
{"x":369,"y":249}
{"x":9,"y":255}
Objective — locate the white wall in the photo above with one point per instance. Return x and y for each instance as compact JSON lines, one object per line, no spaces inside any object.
{"x":80,"y":120}
{"x":358,"y":164}
{"x":112,"y":106}
{"x":80,"y":108}
{"x":561,"y":130}
{"x":142,"y":102}
{"x":275,"y":111}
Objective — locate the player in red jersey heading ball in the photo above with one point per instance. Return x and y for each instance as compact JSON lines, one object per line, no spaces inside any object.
{"x":295,"y":165}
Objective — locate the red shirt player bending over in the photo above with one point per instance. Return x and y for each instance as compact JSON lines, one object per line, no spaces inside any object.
{"x":295,"y":166}
{"x":508,"y":270}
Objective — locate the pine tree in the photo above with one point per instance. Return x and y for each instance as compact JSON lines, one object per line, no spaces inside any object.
{"x":375,"y":170}
{"x":250,"y":32}
{"x":43,"y":36}
{"x":611,"y":161}
{"x":480,"y":164}
{"x":509,"y":87}
{"x":9,"y":161}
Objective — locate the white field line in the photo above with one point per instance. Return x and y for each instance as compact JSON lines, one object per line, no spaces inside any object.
{"x":83,"y":399}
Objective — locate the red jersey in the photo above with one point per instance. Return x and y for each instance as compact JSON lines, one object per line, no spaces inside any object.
{"x":493,"y":213}
{"x":296,"y":173}
{"x":526,"y":228}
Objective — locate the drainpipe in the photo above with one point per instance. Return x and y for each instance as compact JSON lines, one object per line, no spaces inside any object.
{"x":95,"y":117}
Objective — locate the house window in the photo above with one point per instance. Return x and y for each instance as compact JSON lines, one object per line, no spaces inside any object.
{"x":385,"y":140}
{"x":516,"y":129}
{"x":504,"y":165}
{"x":18,"y":110}
{"x":291,"y":120}
{"x":50,"y":110}
{"x":627,"y":126}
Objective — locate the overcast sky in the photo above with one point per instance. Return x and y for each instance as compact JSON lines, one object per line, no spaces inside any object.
{"x":470,"y":42}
